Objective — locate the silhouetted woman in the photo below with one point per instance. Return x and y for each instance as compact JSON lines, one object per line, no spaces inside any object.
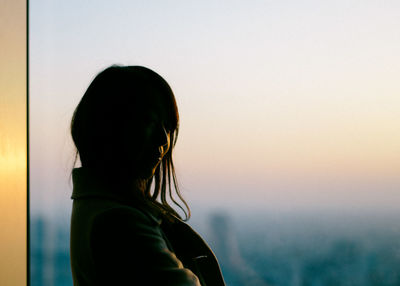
{"x":123,"y":229}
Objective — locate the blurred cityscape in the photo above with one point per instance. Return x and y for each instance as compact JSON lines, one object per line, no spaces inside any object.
{"x":292,"y":250}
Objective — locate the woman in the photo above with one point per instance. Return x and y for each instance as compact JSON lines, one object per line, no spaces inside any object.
{"x":124,"y":230}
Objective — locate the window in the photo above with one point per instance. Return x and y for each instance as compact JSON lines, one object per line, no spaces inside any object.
{"x":288,"y":150}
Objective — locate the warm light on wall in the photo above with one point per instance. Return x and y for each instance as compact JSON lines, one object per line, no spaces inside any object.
{"x":13,"y":143}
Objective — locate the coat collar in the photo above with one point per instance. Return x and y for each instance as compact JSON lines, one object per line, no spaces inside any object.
{"x":89,"y":184}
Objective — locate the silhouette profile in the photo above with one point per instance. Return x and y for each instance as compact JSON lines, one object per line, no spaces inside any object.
{"x":124,"y":230}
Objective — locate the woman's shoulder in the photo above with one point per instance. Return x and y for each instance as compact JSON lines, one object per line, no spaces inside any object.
{"x":116,"y":215}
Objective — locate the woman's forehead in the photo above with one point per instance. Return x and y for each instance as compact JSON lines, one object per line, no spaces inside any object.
{"x":155,"y":106}
{"x":157,"y":115}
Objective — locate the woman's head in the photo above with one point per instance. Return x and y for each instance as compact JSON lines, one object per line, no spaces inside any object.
{"x":126,"y":126}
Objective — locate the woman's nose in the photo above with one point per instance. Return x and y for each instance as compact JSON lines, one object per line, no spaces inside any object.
{"x":163,"y":140}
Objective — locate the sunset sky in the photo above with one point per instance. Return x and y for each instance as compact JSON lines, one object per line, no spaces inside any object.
{"x":284,"y":105}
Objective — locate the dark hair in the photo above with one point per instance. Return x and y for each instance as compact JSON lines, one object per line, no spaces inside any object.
{"x":116,"y":101}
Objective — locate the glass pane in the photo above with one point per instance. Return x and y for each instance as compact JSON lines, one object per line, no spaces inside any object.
{"x":13,"y":144}
{"x":288,"y":150}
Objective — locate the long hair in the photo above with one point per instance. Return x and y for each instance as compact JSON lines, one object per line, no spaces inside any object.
{"x":116,"y":102}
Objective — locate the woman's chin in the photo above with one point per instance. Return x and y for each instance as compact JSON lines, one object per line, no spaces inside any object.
{"x":148,"y":174}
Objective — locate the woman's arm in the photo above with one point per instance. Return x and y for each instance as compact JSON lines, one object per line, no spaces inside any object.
{"x":128,"y":249}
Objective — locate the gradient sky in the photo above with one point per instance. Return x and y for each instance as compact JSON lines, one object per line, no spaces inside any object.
{"x":287,"y":105}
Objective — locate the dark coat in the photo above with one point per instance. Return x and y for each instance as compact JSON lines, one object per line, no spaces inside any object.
{"x":117,"y":241}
